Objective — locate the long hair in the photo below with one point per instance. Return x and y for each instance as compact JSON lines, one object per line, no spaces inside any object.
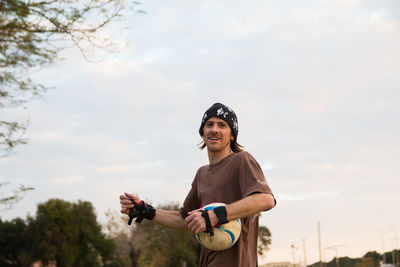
{"x":235,"y":146}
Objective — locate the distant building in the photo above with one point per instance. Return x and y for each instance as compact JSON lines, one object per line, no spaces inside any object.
{"x":280,"y":264}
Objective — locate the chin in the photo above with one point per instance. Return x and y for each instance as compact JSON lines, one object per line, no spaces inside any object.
{"x":215,"y":148}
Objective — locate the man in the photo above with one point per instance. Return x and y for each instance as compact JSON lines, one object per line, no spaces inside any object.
{"x":233,"y":177}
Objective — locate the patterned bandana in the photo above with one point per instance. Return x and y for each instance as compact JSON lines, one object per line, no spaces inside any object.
{"x":223,"y":112}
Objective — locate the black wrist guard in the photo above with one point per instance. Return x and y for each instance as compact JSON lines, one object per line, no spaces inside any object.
{"x":141,"y":211}
{"x":221,"y":214}
{"x":209,"y":228}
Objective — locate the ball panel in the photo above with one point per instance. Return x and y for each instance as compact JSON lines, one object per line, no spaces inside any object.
{"x":232,"y":236}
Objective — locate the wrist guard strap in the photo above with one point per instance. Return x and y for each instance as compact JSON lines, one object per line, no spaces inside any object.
{"x":209,"y":228}
{"x":141,"y":211}
{"x":221,"y":214}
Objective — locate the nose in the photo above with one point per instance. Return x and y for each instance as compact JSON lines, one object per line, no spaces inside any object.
{"x":214,"y":128}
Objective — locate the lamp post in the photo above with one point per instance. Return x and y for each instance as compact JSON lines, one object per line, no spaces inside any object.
{"x":304,"y":250}
{"x":336,"y":252}
{"x":293,"y":253}
{"x":394,"y":254}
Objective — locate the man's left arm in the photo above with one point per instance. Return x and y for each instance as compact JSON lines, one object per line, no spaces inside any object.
{"x":249,"y":206}
{"x":243,"y":208}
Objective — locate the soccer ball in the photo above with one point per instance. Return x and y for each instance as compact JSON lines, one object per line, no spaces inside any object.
{"x":225,"y":235}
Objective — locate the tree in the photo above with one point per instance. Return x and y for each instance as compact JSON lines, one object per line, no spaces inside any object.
{"x":350,"y":262}
{"x":120,"y":233}
{"x":371,"y":259}
{"x":391,"y":256}
{"x":69,"y":234}
{"x":13,"y":248}
{"x":264,"y":240}
{"x":158,"y":246}
{"x":149,"y":244}
{"x":32,"y":33}
{"x":343,"y":262}
{"x":8,"y":200}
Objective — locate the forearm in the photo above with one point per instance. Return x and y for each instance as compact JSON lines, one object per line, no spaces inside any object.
{"x":170,"y":219}
{"x":250,"y":205}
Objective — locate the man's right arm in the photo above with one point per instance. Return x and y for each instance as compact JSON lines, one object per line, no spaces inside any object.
{"x":168,"y":218}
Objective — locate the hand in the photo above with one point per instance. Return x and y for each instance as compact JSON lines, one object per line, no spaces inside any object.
{"x":126,"y":204}
{"x":196,"y":223}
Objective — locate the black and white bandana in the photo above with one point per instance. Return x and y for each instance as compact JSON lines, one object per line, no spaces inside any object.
{"x":223,"y":112}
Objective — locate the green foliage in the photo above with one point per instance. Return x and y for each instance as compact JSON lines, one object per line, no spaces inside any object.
{"x":343,"y":262}
{"x":62,"y":232}
{"x":392,"y":255}
{"x":32,"y":33}
{"x":264,"y":240}
{"x":124,"y":249}
{"x":370,"y":259}
{"x":69,"y":234}
{"x":7,"y":201}
{"x":349,"y":262}
{"x":14,"y":250}
{"x":11,"y":133}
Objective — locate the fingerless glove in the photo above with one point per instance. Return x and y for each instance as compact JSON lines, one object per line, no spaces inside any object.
{"x":141,"y":211}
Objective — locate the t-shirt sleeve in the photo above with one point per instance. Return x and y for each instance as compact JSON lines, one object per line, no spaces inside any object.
{"x":251,"y":177}
{"x":191,"y":201}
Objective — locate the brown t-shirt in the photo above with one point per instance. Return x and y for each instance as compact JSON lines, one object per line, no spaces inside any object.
{"x":229,"y":180}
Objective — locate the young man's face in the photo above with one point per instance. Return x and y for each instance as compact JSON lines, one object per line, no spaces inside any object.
{"x":217,"y":134}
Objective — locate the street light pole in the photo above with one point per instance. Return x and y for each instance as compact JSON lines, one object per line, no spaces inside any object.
{"x":336,"y":251}
{"x":394,"y":254}
{"x":319,"y":245}
{"x":304,"y":250}
{"x":293,"y":253}
{"x":383,"y":248}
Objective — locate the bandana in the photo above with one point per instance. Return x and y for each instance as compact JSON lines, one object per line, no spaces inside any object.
{"x":223,"y":112}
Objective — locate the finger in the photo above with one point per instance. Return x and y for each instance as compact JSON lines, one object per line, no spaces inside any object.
{"x":199,"y":231}
{"x":127,"y":207}
{"x":189,"y":219}
{"x":132,"y":196}
{"x":196,"y":229}
{"x":193,"y":211}
{"x":126,"y":202}
{"x":193,"y":226}
{"x":194,"y":215}
{"x":201,"y":228}
{"x":193,"y":219}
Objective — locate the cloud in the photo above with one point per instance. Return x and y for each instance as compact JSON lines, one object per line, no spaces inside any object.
{"x":62,"y":181}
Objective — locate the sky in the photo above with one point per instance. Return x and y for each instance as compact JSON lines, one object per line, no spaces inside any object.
{"x":315,"y":86}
